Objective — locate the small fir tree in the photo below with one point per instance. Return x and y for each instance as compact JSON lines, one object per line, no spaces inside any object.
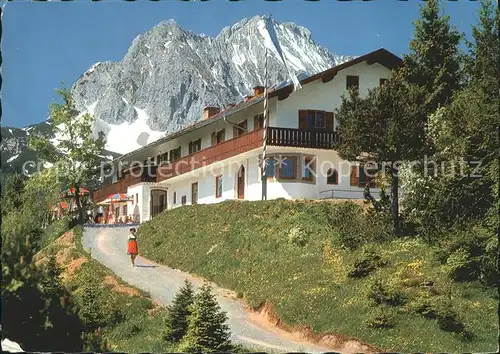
{"x":177,"y":320}
{"x":207,"y":328}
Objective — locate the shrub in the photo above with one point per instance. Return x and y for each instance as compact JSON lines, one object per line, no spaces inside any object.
{"x":54,"y":230}
{"x":128,"y":329}
{"x":380,"y":319}
{"x":353,"y":227}
{"x":470,"y":255}
{"x":96,"y":308}
{"x":382,"y":294}
{"x":367,"y":263}
{"x":297,"y":236}
{"x":440,"y":309}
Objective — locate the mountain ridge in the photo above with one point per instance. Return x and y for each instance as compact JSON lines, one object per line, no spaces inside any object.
{"x":168,"y":75}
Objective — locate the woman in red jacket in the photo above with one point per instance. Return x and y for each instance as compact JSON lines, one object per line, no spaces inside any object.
{"x":132,"y":248}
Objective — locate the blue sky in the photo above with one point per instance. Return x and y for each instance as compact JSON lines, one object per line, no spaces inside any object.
{"x":46,"y":43}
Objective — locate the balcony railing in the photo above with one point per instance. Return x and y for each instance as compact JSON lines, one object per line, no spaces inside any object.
{"x":205,"y":157}
{"x":131,"y":177}
{"x":249,"y":141}
{"x":314,"y":139}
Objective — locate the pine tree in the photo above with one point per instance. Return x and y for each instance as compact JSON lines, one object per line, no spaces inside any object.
{"x":207,"y":328}
{"x":466,"y":130}
{"x":383,"y":129}
{"x":434,"y":59}
{"x":177,"y":320}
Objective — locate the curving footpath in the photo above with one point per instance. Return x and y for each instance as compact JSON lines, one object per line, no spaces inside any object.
{"x":108,"y":246}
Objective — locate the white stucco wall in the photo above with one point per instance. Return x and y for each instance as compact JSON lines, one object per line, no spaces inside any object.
{"x":143,"y":193}
{"x":206,"y":179}
{"x":327,"y":96}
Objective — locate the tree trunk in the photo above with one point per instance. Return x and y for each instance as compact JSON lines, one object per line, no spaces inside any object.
{"x":395,"y":201}
{"x":81,"y":217}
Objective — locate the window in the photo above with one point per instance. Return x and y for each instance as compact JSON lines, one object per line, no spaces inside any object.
{"x":352,"y":81}
{"x":308,"y":168}
{"x":218,"y":137}
{"x":125,"y":211}
{"x":287,"y":168}
{"x":175,"y":154}
{"x":194,"y":146}
{"x":175,"y":198}
{"x":183,"y":200}
{"x":270,"y":168}
{"x":332,"y":177}
{"x":221,"y":136}
{"x":194,"y":193}
{"x":258,"y":121}
{"x":315,"y":119}
{"x":360,"y":177}
{"x":164,"y":157}
{"x":218,"y":186}
{"x":382,"y":81}
{"x":240,"y":129}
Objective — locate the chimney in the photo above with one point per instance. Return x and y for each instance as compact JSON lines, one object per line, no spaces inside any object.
{"x":208,"y":112}
{"x":258,"y":90}
{"x":248,"y":98}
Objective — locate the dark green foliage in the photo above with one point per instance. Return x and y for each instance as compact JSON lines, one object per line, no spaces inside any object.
{"x":207,"y":328}
{"x":96,"y":307}
{"x":382,"y":294}
{"x":367,"y":263}
{"x":442,"y":310}
{"x":352,"y":226}
{"x":12,"y":188}
{"x":56,"y":229}
{"x":383,"y":129}
{"x":380,"y":318}
{"x":470,"y":255}
{"x":434,"y":60}
{"x":177,"y":319}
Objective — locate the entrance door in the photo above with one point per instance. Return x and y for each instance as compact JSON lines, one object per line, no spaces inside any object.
{"x":158,"y":201}
{"x":194,"y":193}
{"x":241,"y":183}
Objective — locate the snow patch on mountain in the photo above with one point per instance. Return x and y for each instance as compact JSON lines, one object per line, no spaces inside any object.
{"x":128,"y":136}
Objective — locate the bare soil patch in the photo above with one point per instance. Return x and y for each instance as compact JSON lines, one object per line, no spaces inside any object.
{"x":266,"y":317}
{"x":116,"y":286}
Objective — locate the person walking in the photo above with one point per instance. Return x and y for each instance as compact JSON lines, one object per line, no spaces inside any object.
{"x":132,"y":248}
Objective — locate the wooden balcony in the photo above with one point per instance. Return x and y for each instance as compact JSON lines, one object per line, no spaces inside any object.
{"x":313,"y":139}
{"x":130,"y":177}
{"x":205,"y":157}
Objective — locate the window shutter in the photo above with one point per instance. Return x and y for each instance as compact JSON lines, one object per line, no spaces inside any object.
{"x":223,"y":135}
{"x":235,"y":132}
{"x":214,"y":139}
{"x":190,"y":147}
{"x":302,"y":119}
{"x":329,"y":121}
{"x":354,"y":176}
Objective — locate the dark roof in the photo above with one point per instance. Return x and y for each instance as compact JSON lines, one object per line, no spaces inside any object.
{"x":382,"y":56}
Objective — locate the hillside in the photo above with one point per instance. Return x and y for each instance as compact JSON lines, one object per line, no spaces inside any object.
{"x":329,"y":267}
{"x":129,"y":320}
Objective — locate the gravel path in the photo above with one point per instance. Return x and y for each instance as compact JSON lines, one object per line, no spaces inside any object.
{"x":108,"y":246}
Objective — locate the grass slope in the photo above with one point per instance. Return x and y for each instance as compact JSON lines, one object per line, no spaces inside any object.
{"x":131,"y":321}
{"x":289,"y":254}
